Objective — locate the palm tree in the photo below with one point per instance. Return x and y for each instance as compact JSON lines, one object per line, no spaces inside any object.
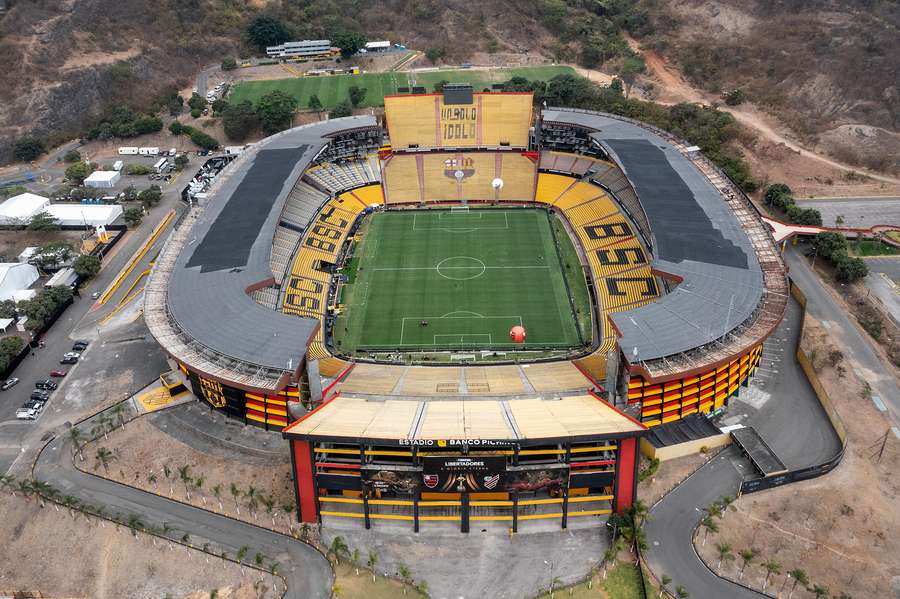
{"x":8,"y":481}
{"x":269,"y":502}
{"x":405,"y":575}
{"x":76,"y":436}
{"x":288,"y":509}
{"x":25,"y":488}
{"x":422,"y":587}
{"x":819,"y":590}
{"x":304,"y":532}
{"x":242,"y":553}
{"x":42,"y":490}
{"x":714,"y":510}
{"x":105,"y":423}
{"x":273,"y":568}
{"x":337,"y":548}
{"x":135,"y":523}
{"x":709,"y":524}
{"x":217,"y":493}
{"x":681,"y":592}
{"x":251,"y":497}
{"x":198,"y":484}
{"x":664,"y":582}
{"x":119,"y":413}
{"x":259,"y":558}
{"x":235,"y":493}
{"x":799,"y":577}
{"x":725,"y":553}
{"x":371,"y":563}
{"x":772,"y":567}
{"x":354,"y":560}
{"x":184,"y":475}
{"x":747,"y":555}
{"x":727,"y":502}
{"x":104,"y":458}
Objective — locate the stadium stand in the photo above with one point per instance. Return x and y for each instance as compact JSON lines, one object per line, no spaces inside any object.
{"x":446,"y":177}
{"x":555,"y":376}
{"x":335,"y":177}
{"x":486,"y":120}
{"x":422,"y":380}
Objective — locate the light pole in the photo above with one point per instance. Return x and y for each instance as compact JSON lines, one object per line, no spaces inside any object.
{"x":550,"y":563}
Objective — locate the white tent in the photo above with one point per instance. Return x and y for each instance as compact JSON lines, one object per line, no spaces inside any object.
{"x":14,"y":278}
{"x":19,"y":209}
{"x":70,"y":215}
{"x":103,"y":179}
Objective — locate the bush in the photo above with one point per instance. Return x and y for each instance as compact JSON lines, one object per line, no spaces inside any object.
{"x":219,"y":106}
{"x":734,"y":97}
{"x":434,"y":54}
{"x":229,"y":63}
{"x":148,"y":124}
{"x":197,"y":102}
{"x":342,"y":109}
{"x":196,"y":113}
{"x":86,"y":266}
{"x":72,"y":156}
{"x":827,"y":244}
{"x":181,"y":161}
{"x":203,"y":140}
{"x":150,"y":196}
{"x":775,"y":192}
{"x":808,"y":216}
{"x":357,"y":94}
{"x":133,"y":216}
{"x":28,"y":148}
{"x":851,"y":269}
{"x":176,"y":128}
{"x":137,"y":169}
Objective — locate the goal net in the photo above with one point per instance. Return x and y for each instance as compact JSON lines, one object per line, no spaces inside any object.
{"x":459,"y":209}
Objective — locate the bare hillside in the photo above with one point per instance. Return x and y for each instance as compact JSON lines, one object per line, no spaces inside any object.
{"x":828,"y":68}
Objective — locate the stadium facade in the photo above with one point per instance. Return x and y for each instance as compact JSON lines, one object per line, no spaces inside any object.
{"x":685,"y":280}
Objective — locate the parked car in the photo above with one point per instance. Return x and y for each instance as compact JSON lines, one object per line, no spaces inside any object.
{"x":80,"y":345}
{"x":34,"y":404}
{"x":72,"y":354}
{"x":47,"y":385}
{"x":39,"y":395}
{"x":69,"y":360}
{"x":26,"y":414}
{"x":95,"y":295}
{"x":9,"y":384}
{"x":58,"y":373}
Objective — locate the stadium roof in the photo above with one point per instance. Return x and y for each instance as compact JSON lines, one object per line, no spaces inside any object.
{"x":490,"y":419}
{"x":227,"y":254}
{"x":697,"y":239}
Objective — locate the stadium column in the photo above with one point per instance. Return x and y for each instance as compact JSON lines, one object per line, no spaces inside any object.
{"x":304,"y":483}
{"x":626,"y":474}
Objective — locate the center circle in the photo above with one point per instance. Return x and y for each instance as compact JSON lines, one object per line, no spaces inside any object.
{"x":460,"y":268}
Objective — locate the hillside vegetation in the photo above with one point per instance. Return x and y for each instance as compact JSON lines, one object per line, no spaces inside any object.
{"x":822,"y":66}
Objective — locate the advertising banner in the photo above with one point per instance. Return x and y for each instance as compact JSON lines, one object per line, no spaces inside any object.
{"x":390,"y":481}
{"x":456,"y":474}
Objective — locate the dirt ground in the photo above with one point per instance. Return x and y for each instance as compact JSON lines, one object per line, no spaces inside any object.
{"x":40,"y":544}
{"x":12,"y":243}
{"x":669,"y":474}
{"x":142,"y":449}
{"x":841,"y":529}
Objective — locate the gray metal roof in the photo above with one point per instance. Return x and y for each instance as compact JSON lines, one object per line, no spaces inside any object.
{"x":697,"y":238}
{"x":228,"y":252}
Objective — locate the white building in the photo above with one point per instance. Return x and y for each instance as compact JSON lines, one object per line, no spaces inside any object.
{"x":378,"y":46}
{"x":19,"y":209}
{"x":15,"y":279}
{"x":74,"y":215}
{"x":301,"y":48}
{"x":64,"y":276}
{"x":103,"y":179}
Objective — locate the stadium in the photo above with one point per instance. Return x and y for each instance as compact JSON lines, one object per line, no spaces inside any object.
{"x":471,"y":311}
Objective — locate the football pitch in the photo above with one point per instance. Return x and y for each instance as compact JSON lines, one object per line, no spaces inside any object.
{"x":441,"y":279}
{"x":333,"y":89}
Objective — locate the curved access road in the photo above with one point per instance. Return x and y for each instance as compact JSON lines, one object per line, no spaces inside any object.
{"x":308,"y":574}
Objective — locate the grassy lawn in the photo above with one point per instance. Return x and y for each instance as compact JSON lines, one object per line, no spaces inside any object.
{"x":895,"y":235}
{"x":623,"y":581}
{"x":871,"y":247}
{"x":469,"y":276}
{"x":574,"y":276}
{"x":333,"y":89}
{"x":348,"y":584}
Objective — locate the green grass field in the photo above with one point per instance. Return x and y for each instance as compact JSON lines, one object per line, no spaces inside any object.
{"x":470,"y":276}
{"x":333,"y":89}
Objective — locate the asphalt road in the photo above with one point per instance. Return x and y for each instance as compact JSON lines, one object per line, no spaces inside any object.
{"x":307,"y":573}
{"x":889,"y":265}
{"x":855,"y":342}
{"x":856,"y":212}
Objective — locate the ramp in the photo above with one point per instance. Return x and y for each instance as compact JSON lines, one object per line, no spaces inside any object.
{"x":758,"y":451}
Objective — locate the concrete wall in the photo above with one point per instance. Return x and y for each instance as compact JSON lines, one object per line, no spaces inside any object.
{"x":682,"y":449}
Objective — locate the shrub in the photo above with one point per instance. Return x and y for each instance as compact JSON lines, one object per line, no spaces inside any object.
{"x":203,"y":140}
{"x":86,"y":266}
{"x":133,"y":216}
{"x":357,"y":95}
{"x":434,"y":54}
{"x":150,"y":196}
{"x":734,"y":97}
{"x":851,"y":269}
{"x":78,"y":172}
{"x":176,"y":128}
{"x":196,"y":113}
{"x":72,"y":156}
{"x":342,"y":109}
{"x":28,"y":148}
{"x":137,"y":169}
{"x":229,"y":63}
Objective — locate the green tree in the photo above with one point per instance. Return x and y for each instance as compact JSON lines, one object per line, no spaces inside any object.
{"x":72,"y":156}
{"x":799,"y":577}
{"x":357,"y":95}
{"x":104,"y":458}
{"x":219,"y":106}
{"x":342,"y":109}
{"x":147,"y":123}
{"x":196,"y":113}
{"x":776,"y":191}
{"x":176,"y":128}
{"x":7,"y":309}
{"x":434,"y":54}
{"x":828,"y":243}
{"x":137,"y":169}
{"x":275,"y":110}
{"x":315,"y":103}
{"x":239,"y":120}
{"x":772,"y":567}
{"x":734,"y":97}
{"x":197,"y":102}
{"x":267,"y":30}
{"x":175,"y":104}
{"x":229,"y":63}
{"x":372,"y":562}
{"x":28,"y":148}
{"x":150,"y":196}
{"x":43,"y":221}
{"x":819,"y":591}
{"x":350,"y":42}
{"x":851,"y":269}
{"x":9,"y":349}
{"x":181,"y":161}
{"x":747,"y":556}
{"x":86,"y":266}
{"x":808,"y":216}
{"x":78,"y":172}
{"x":338,"y":548}
{"x":725,"y":554}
